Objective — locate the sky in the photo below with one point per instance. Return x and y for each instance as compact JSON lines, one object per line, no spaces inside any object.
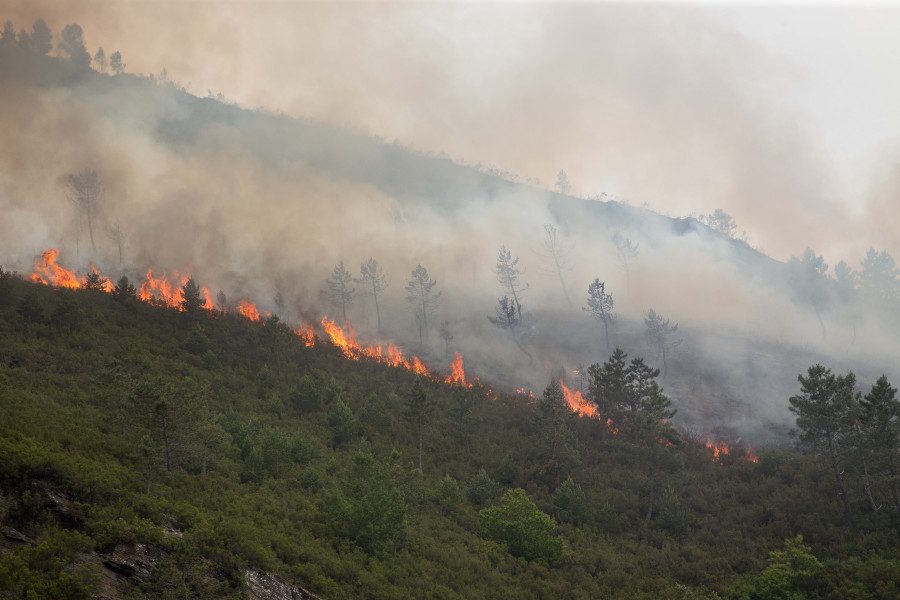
{"x":782,"y":116}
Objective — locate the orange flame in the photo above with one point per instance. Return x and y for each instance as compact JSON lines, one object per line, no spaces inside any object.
{"x":578,"y":403}
{"x":248,"y":309}
{"x":305,"y":333}
{"x":457,"y":373}
{"x":209,"y":301}
{"x":46,"y":271}
{"x":166,"y":291}
{"x":751,"y":454}
{"x":612,"y":427}
{"x":720,"y":450}
{"x":345,"y":339}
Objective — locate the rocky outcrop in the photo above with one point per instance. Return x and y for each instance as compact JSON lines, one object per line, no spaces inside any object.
{"x":269,"y":586}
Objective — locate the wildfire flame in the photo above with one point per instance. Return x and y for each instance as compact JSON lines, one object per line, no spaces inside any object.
{"x":345,"y":339}
{"x":457,"y":374}
{"x":612,"y":427}
{"x":46,"y":271}
{"x":720,"y":450}
{"x":248,"y":309}
{"x":578,"y":403}
{"x":167,"y":291}
{"x":305,"y":333}
{"x":751,"y":454}
{"x":163,"y":289}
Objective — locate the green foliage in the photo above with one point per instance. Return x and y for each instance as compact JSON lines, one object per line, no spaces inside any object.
{"x":305,"y":395}
{"x":826,"y":411}
{"x":449,"y":494}
{"x":124,"y":289}
{"x":570,"y":503}
{"x":41,"y":571}
{"x":94,"y":282}
{"x":482,"y":490}
{"x":31,"y":309}
{"x":791,"y":574}
{"x":192,"y":300}
{"x":525,"y":530}
{"x":68,"y":315}
{"x":366,"y":507}
{"x":342,"y":423}
{"x":672,"y":517}
{"x":197,"y":342}
{"x":559,"y":446}
{"x":132,"y":431}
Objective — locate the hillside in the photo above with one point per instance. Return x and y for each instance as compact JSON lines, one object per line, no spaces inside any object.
{"x":264,"y":207}
{"x":148,"y":451}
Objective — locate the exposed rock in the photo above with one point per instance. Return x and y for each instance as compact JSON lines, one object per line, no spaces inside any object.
{"x":135,"y":562}
{"x":15,"y":535}
{"x":269,"y":586}
{"x":10,"y":539}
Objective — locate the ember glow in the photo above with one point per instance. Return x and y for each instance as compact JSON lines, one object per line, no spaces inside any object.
{"x":751,"y":454}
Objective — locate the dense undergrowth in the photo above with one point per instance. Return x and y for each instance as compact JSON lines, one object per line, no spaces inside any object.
{"x":268,"y":453}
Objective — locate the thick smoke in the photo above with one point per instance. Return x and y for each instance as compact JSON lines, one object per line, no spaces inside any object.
{"x":249,"y":209}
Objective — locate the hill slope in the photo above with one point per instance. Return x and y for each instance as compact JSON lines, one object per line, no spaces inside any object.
{"x":160,"y":453}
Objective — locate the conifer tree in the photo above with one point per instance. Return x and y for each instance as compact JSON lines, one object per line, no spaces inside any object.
{"x":826,"y":410}
{"x":339,"y":290}
{"x":419,"y":409}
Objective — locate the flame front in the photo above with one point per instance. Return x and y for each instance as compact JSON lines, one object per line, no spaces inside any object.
{"x":46,"y":271}
{"x":751,"y":454}
{"x":305,"y":333}
{"x":720,"y":450}
{"x":248,"y":309}
{"x":167,"y":291}
{"x":578,"y":403}
{"x":457,"y":373}
{"x":345,"y":339}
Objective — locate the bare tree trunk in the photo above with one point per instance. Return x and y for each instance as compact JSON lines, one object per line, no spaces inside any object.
{"x":848,"y":519}
{"x":606,"y":332}
{"x":868,"y":488}
{"x":422,"y":472}
{"x":165,"y":424}
{"x":91,"y":229}
{"x":377,"y":312}
{"x":895,"y":492}
{"x":522,"y":348}
{"x":821,"y":324}
{"x":561,"y":281}
{"x":424,"y":319}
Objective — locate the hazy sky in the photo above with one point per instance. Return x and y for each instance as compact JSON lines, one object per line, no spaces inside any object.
{"x":784,"y":117}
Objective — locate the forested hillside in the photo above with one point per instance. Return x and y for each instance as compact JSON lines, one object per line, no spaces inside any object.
{"x":133,"y":173}
{"x":216,"y":443}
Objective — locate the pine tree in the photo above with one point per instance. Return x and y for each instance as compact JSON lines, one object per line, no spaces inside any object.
{"x":192,"y":300}
{"x":600,"y":305}
{"x":826,"y":409}
{"x":339,"y":290}
{"x":419,"y":409}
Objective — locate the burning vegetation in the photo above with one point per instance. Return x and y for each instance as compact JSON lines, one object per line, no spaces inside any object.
{"x":169,"y":290}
